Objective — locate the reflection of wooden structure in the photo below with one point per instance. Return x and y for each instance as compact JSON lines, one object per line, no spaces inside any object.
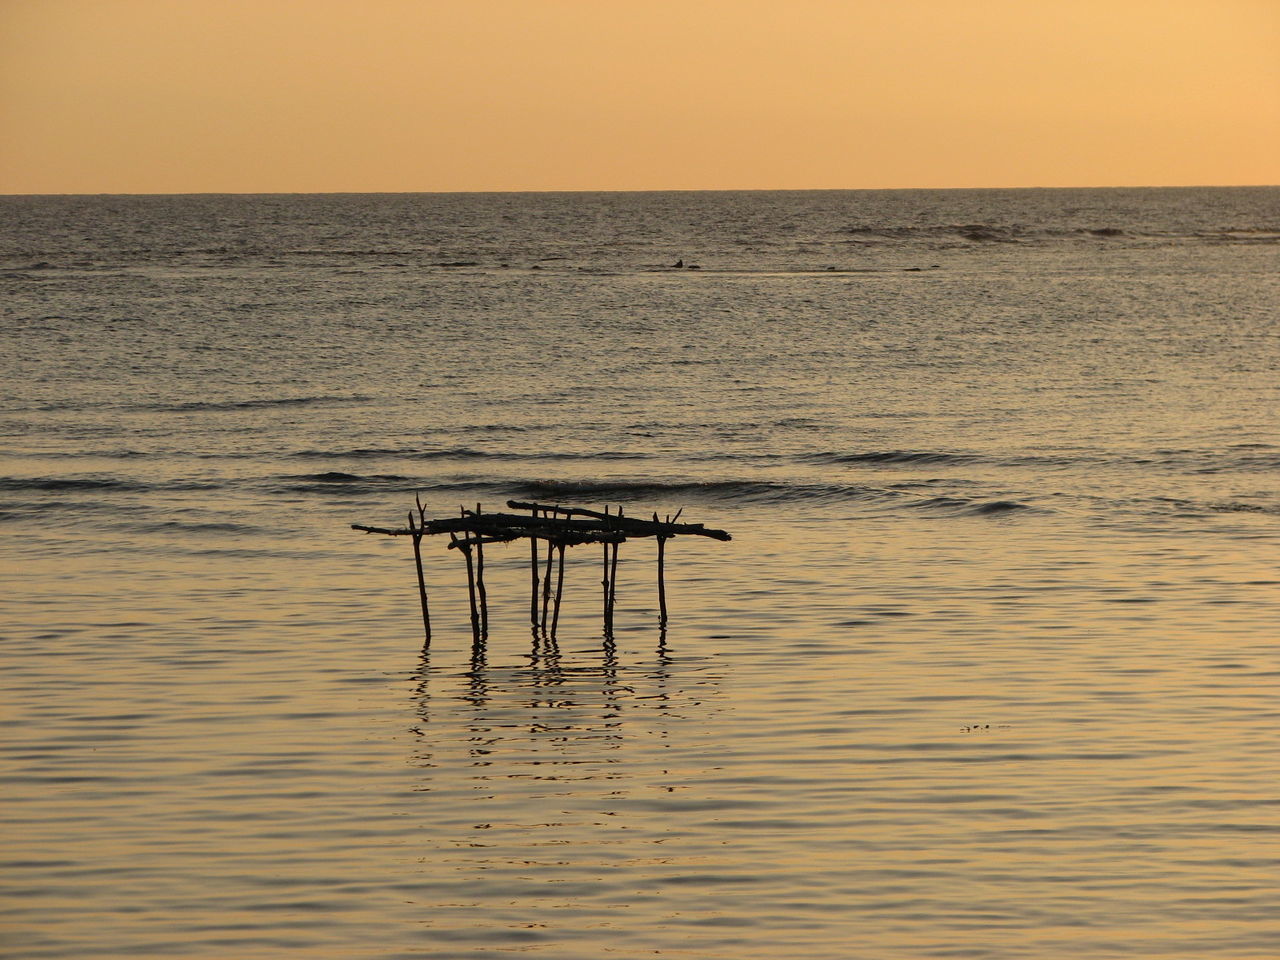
{"x":559,"y":527}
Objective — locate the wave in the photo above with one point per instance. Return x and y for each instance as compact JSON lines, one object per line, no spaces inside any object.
{"x":102,"y":485}
{"x":265,"y":403}
{"x":335,"y":481}
{"x":668,"y":491}
{"x":962,"y":506}
{"x":1016,"y":233}
{"x":972,"y":232}
{"x":461,"y":453}
{"x":1243,"y":458}
{"x":1189,"y":507}
{"x":664,"y":494}
{"x":188,"y":527}
{"x":891,"y":457}
{"x":71,"y":483}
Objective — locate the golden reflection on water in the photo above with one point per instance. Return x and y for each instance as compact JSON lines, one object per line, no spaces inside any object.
{"x":897,"y":738}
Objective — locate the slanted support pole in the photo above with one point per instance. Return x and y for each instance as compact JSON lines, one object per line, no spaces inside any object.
{"x":422,"y":583}
{"x":546,"y":580}
{"x":555,"y":617}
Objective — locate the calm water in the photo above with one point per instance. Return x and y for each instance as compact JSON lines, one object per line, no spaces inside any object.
{"x":988,"y":669}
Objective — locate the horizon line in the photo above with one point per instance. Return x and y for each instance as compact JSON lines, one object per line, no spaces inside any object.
{"x":647,"y":190}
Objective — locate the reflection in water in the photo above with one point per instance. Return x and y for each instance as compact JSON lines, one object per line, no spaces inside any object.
{"x":584,"y":701}
{"x":543,"y":786}
{"x":546,"y":776}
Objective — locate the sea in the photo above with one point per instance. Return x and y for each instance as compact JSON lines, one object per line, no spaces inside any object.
{"x":988,"y":669}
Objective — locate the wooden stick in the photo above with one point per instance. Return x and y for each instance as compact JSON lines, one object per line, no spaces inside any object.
{"x":471,"y":592}
{"x":604,"y":580}
{"x":662,"y":583}
{"x":555,"y":619}
{"x":480,"y":589}
{"x":422,"y":584}
{"x":533,"y":571}
{"x":506,"y":526}
{"x":642,"y":528}
{"x":481,"y":540}
{"x":546,"y":582}
{"x":613,"y":578}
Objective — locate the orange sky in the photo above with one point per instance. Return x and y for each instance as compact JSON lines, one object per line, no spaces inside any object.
{"x":160,"y":96}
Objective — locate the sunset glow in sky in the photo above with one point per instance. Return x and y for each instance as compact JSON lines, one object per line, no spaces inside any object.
{"x":163,"y":96}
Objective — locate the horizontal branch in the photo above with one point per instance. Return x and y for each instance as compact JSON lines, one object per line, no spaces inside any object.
{"x":567,"y":525}
{"x":633,"y":525}
{"x":401,"y":532}
{"x":481,"y":530}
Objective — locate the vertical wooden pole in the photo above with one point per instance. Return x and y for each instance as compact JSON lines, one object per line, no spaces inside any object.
{"x":480,"y":590}
{"x":546,"y":580}
{"x":555,"y":619}
{"x":613,"y":582}
{"x":604,"y":583}
{"x":604,"y":578}
{"x":613,"y":578}
{"x":662,"y":582}
{"x":422,"y":583}
{"x":471,"y":589}
{"x":533,"y":573}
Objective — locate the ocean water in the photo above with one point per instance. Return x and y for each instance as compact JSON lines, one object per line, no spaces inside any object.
{"x":988,"y":669}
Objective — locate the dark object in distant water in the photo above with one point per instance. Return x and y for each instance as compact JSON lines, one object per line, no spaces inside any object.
{"x":679,"y":263}
{"x":560,"y":527}
{"x":458,"y":263}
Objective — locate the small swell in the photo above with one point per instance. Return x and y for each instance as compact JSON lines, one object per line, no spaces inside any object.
{"x":892,"y":457}
{"x":960,"y":506}
{"x":1191,"y":508}
{"x":69,"y":483}
{"x":996,"y":507}
{"x":250,"y":404}
{"x":335,"y":481}
{"x":459,"y":453}
{"x":1244,"y":463}
{"x":181,"y":527}
{"x":753,"y":491}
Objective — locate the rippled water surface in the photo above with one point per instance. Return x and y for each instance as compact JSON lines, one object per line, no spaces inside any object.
{"x":988,"y":669}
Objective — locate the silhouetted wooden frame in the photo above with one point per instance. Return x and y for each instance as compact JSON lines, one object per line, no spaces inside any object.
{"x":560,"y":527}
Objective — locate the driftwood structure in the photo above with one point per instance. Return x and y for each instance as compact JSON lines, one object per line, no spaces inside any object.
{"x":557,"y":527}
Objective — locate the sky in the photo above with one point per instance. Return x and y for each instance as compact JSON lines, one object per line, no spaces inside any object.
{"x":300,"y":96}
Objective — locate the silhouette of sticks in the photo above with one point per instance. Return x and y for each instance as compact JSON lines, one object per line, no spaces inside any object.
{"x":560,"y":527}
